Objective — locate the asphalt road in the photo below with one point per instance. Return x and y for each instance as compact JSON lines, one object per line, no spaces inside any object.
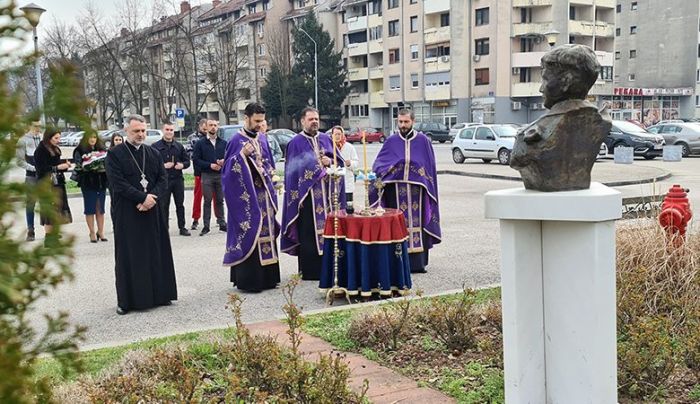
{"x":468,"y":255}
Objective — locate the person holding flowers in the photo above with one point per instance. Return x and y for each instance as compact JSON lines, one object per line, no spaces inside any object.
{"x":89,"y":158}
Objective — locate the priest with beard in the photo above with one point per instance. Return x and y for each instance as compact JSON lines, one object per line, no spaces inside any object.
{"x":308,"y":194}
{"x":405,"y":170}
{"x":145,"y":273}
{"x":251,"y":237}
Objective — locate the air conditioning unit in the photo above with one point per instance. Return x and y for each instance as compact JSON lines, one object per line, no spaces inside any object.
{"x":516,"y":71}
{"x":537,"y":106}
{"x":516,"y":105}
{"x":476,"y":58}
{"x":445,"y":59}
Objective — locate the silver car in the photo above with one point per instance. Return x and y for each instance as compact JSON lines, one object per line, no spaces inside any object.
{"x":485,"y":142}
{"x":684,"y":134}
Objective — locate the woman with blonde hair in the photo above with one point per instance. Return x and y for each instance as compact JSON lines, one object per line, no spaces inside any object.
{"x":352,"y":161}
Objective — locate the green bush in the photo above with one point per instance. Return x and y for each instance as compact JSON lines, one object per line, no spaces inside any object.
{"x":453,"y":322}
{"x":30,"y":271}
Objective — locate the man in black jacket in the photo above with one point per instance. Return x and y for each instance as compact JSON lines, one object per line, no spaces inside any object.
{"x":175,"y":160}
{"x":208,"y":157}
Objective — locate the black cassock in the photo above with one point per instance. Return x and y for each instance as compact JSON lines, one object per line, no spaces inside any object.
{"x":145,"y":273}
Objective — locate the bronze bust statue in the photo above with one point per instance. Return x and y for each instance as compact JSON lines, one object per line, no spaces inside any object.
{"x":557,"y":151}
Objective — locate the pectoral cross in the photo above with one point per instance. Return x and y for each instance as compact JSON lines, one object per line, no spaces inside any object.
{"x":144,"y":182}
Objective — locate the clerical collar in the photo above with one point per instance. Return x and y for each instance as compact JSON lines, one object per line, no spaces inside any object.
{"x":250,"y":134}
{"x":309,"y":135}
{"x":408,"y":135}
{"x":135,"y":146}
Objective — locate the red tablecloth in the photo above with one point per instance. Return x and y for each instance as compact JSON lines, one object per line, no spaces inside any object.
{"x":387,"y":228}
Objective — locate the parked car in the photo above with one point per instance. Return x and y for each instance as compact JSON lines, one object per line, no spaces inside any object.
{"x":282,"y":136}
{"x":372,"y":135}
{"x":603,"y":151}
{"x":72,"y":140}
{"x":434,"y":131}
{"x":64,"y":138}
{"x":226,"y":132}
{"x":684,"y":134}
{"x":454,"y":130}
{"x":106,"y":136}
{"x":485,"y":142}
{"x":626,"y":134}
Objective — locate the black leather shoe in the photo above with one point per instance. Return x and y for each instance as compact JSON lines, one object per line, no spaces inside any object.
{"x":121,"y":311}
{"x":30,"y":235}
{"x":222,"y":227}
{"x":194,"y":225}
{"x":204,"y":231}
{"x":185,"y":232}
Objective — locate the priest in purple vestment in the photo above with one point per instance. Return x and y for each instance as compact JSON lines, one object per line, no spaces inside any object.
{"x":251,"y":237}
{"x":308,"y":194}
{"x":405,"y":168}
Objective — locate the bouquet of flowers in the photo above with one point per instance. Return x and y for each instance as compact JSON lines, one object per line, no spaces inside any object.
{"x":94,"y":161}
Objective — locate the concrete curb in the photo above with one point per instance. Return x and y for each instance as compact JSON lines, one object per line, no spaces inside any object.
{"x":511,"y":178}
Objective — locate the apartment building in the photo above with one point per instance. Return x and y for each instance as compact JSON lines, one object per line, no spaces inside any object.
{"x":657,"y":56}
{"x":455,"y":61}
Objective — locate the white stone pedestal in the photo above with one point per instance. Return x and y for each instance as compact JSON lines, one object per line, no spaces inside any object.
{"x":558,"y":288}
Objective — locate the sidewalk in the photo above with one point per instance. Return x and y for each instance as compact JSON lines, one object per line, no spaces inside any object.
{"x":385,"y":385}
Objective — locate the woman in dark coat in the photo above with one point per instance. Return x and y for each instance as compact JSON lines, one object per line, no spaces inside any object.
{"x":49,"y":166}
{"x":89,"y":159}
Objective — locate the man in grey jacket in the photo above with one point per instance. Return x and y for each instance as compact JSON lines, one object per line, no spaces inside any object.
{"x":26,"y":146}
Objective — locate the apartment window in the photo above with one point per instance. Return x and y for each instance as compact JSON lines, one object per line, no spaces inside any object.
{"x":633,"y":30}
{"x":301,"y":3}
{"x":414,"y":52}
{"x":481,"y":77}
{"x":266,"y":5}
{"x":375,"y":33}
{"x":263,"y":72}
{"x":394,"y":28}
{"x":414,"y":1}
{"x":375,"y":7}
{"x":617,"y":31}
{"x":525,"y":75}
{"x":482,"y":16}
{"x":261,"y":49}
{"x":439,"y":50}
{"x":527,"y":44}
{"x":359,"y":110}
{"x":394,"y":56}
{"x":618,"y":8}
{"x":444,"y":19}
{"x":697,"y":75}
{"x":606,"y":73}
{"x":414,"y":80}
{"x":261,"y":28}
{"x":393,"y":4}
{"x":253,"y":9}
{"x":414,"y":23}
{"x":525,"y":14}
{"x":481,"y":46}
{"x":631,"y":77}
{"x":572,"y":39}
{"x":633,"y":6}
{"x":394,"y":82}
{"x":617,"y":55}
{"x":572,"y":13}
{"x":633,"y":54}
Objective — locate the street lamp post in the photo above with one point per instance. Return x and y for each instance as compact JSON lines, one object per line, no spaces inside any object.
{"x":551,"y":37}
{"x":315,"y":67}
{"x":33,"y":13}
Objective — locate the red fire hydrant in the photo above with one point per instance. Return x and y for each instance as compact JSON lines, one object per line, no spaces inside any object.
{"x":675,"y":214}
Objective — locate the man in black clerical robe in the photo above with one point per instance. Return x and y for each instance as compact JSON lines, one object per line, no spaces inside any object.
{"x":145,"y":273}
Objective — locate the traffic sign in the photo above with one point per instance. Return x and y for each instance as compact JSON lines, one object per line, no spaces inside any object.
{"x":179,"y":113}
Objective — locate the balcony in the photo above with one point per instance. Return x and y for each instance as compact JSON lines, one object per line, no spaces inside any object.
{"x":374,"y":20}
{"x":436,"y":6}
{"x":588,"y":28}
{"x":526,"y":89}
{"x":357,"y":23}
{"x":605,"y":3}
{"x":527,"y":59}
{"x":376,"y":46}
{"x":357,"y":49}
{"x":376,"y":100}
{"x":240,"y":105}
{"x":531,"y":3}
{"x":437,"y":35}
{"x":212,"y":106}
{"x":376,"y":72}
{"x":531,"y":28}
{"x":605,"y":58}
{"x":581,"y":2}
{"x":358,"y":99}
{"x":359,"y":73}
{"x":436,"y":93}
{"x":438,"y":64}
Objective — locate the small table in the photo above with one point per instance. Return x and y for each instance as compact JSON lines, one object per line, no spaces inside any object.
{"x":373,"y":254}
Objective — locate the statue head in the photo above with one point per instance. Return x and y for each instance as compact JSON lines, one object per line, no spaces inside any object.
{"x":568,"y":72}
